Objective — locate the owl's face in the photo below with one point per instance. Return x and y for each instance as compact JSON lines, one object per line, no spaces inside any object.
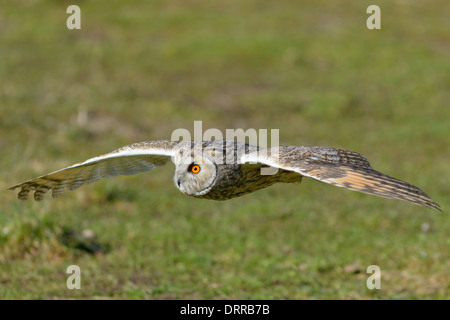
{"x":195,"y":173}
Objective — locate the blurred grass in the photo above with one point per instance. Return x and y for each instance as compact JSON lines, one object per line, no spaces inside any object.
{"x":138,"y":70}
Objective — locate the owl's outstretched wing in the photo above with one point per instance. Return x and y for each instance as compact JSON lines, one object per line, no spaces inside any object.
{"x":128,"y":160}
{"x":341,"y":168}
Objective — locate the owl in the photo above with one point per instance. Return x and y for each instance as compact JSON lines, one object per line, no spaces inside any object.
{"x":224,"y":169}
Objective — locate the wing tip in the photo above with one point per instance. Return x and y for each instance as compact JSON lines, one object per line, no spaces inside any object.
{"x":24,"y":192}
{"x":434,"y":205}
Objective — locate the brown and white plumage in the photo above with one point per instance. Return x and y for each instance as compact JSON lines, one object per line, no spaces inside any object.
{"x":228,"y":169}
{"x":128,"y":160}
{"x":343,"y":168}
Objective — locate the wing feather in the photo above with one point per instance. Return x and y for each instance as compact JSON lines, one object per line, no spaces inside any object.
{"x":340,"y":168}
{"x":128,"y":160}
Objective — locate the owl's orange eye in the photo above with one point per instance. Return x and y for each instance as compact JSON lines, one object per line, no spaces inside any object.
{"x":194,"y":168}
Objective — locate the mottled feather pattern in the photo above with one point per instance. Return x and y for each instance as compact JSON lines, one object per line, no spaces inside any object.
{"x":122,"y":161}
{"x":290,"y":155}
{"x":370,"y":181}
{"x":230,"y":169}
{"x":351,"y":170}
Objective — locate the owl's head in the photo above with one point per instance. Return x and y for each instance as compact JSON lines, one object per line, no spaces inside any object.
{"x":195,"y":172}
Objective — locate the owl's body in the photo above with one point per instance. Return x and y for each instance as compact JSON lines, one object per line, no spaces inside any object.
{"x":231,"y":178}
{"x":237,"y":180}
{"x":221,"y":170}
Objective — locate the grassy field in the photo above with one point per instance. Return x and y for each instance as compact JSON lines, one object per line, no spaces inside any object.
{"x":137,"y":70}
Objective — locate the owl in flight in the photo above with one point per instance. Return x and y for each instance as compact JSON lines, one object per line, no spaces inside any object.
{"x":223,"y":169}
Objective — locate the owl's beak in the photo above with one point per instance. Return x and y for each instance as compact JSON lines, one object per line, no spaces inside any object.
{"x":178,"y":182}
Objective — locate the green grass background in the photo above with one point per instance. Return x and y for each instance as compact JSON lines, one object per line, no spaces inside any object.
{"x":137,"y":70}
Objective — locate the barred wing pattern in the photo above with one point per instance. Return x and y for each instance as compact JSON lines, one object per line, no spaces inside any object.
{"x":341,"y":168}
{"x":128,"y":160}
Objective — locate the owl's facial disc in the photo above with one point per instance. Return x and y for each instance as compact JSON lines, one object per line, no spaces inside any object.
{"x":194,"y":174}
